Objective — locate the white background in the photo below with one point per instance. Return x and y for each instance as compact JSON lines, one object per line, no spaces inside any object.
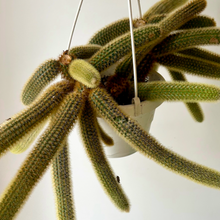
{"x":33,"y":31}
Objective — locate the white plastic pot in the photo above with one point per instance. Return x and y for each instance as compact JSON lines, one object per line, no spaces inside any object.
{"x":122,"y":148}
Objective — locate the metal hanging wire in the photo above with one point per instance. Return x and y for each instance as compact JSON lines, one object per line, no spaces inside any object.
{"x":139,"y":9}
{"x":74,"y":24}
{"x":136,"y":100}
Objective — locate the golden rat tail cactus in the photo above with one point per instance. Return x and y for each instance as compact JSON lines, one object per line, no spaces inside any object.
{"x":170,"y":35}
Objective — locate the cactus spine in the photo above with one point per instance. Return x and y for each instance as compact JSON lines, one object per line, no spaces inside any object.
{"x":41,"y":156}
{"x":62,"y":183}
{"x":147,"y":145}
{"x":194,"y":108}
{"x":95,"y":152}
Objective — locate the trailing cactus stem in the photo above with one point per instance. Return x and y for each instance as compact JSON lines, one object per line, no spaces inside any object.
{"x":196,"y":111}
{"x":189,"y":38}
{"x":194,"y":108}
{"x":25,"y":142}
{"x":177,"y":91}
{"x":104,"y":137}
{"x":85,"y":51}
{"x":192,"y":65}
{"x":42,"y":76}
{"x":62,"y":183}
{"x":155,"y":19}
{"x":182,"y":15}
{"x":125,"y":67}
{"x":202,"y":53}
{"x":110,"y":32}
{"x":98,"y":160}
{"x":14,"y":129}
{"x":115,"y":50}
{"x":199,"y":22}
{"x":143,"y":142}
{"x":41,"y":156}
{"x":163,"y":6}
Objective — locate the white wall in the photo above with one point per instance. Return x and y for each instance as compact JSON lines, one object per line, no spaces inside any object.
{"x":33,"y":31}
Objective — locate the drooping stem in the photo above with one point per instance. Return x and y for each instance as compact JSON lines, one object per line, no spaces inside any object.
{"x":62,"y":183}
{"x":193,"y":107}
{"x":41,"y":156}
{"x":98,"y":159}
{"x":148,"y":145}
{"x":14,"y":129}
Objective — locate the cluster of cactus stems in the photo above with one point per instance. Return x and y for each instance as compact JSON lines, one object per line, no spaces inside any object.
{"x":170,"y":34}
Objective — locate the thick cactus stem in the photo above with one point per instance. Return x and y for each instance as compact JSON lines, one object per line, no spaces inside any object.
{"x":194,"y":108}
{"x":182,"y":15}
{"x":199,"y":22}
{"x":39,"y":80}
{"x":25,"y":142}
{"x":98,"y":160}
{"x":162,"y":7}
{"x":188,"y":38}
{"x":14,"y":129}
{"x":38,"y":160}
{"x":104,"y":137}
{"x":202,"y":53}
{"x":110,"y":32}
{"x":84,"y":51}
{"x":121,"y":46}
{"x":177,"y":91}
{"x":85,"y":73}
{"x":62,"y":184}
{"x":143,"y":142}
{"x":191,"y":65}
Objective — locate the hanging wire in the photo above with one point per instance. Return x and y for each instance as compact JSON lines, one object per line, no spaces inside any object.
{"x":139,"y":9}
{"x":74,"y":24}
{"x":136,"y":100}
{"x":133,"y":49}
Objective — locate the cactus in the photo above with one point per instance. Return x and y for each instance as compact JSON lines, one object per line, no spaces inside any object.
{"x":191,"y":65}
{"x":12,"y":130}
{"x":104,"y":137}
{"x":147,"y":145}
{"x":41,"y":156}
{"x":39,"y":80}
{"x":119,"y":47}
{"x":25,"y":142}
{"x":177,"y":91}
{"x":194,"y":108}
{"x":186,"y":39}
{"x":85,"y":73}
{"x":162,"y":7}
{"x":199,"y":22}
{"x":95,"y":152}
{"x":182,"y":15}
{"x":62,"y":183}
{"x":170,"y":36}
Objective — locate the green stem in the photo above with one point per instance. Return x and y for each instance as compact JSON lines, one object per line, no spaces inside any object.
{"x":143,"y":142}
{"x":41,"y":156}
{"x":162,"y":7}
{"x":177,"y":91}
{"x":43,"y":75}
{"x":194,"y":108}
{"x":188,"y":38}
{"x":121,"y":46}
{"x":62,"y":184}
{"x":14,"y":129}
{"x":98,"y":159}
{"x":191,"y":65}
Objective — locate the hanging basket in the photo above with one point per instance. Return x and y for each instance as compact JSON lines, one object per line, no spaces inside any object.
{"x":120,"y":147}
